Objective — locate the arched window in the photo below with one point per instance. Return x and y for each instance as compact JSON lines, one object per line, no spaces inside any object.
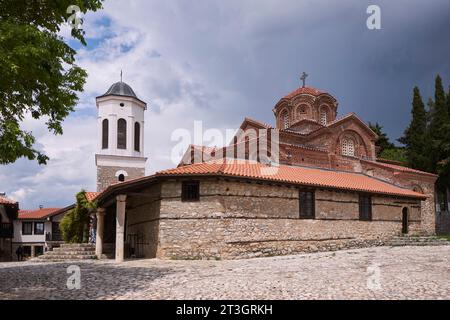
{"x":121,"y":178}
{"x":285,"y":119}
{"x":105,"y":133}
{"x":323,"y":116}
{"x":348,"y":147}
{"x":121,"y":134}
{"x":137,"y":137}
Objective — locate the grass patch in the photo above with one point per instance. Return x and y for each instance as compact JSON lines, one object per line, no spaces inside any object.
{"x":446,"y":237}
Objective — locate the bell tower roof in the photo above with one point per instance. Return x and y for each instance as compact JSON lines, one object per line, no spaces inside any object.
{"x":121,"y":89}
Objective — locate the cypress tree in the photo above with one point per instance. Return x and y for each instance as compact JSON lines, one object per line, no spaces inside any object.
{"x":440,"y":122}
{"x":415,"y":136}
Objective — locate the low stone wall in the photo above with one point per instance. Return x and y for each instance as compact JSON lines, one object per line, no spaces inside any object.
{"x":242,"y":220}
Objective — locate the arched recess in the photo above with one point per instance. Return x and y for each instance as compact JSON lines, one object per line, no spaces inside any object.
{"x":284,"y":119}
{"x":121,"y":134}
{"x":303,"y":111}
{"x":105,"y":134}
{"x":137,"y":137}
{"x":349,"y":140}
{"x":324,"y":115}
{"x":121,"y":175}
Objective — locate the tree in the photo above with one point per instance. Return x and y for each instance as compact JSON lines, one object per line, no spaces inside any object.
{"x":439,"y":128}
{"x":383,"y":142}
{"x":448,"y":101}
{"x":75,"y":224}
{"x":396,"y":154}
{"x":39,"y":76}
{"x":415,"y":137}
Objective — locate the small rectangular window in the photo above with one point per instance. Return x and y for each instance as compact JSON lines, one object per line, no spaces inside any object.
{"x":307,"y":204}
{"x":365,"y":208}
{"x":190,"y":191}
{"x":39,"y":228}
{"x":27,"y":228}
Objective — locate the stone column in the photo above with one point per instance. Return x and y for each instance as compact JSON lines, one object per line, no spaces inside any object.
{"x":120,"y":227}
{"x":99,"y":233}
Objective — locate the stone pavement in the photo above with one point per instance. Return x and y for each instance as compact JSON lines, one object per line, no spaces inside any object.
{"x":372,"y":273}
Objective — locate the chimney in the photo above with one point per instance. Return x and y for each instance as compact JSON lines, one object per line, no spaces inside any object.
{"x":41,"y":207}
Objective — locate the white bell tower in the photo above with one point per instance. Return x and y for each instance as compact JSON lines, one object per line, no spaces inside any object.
{"x":120,"y":151}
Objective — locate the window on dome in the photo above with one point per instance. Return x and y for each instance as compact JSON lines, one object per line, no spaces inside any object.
{"x":323,"y":117}
{"x":121,"y":134}
{"x":285,"y":118}
{"x":348,"y":147}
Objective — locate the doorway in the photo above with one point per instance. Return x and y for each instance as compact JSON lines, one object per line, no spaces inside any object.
{"x":405,"y":221}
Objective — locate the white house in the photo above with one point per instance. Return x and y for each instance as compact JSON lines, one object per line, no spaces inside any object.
{"x":37,"y":230}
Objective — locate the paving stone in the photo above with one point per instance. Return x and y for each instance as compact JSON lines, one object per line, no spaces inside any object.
{"x":409,"y":272}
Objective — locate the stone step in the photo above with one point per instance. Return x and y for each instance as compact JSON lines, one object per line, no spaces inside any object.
{"x":65,"y":257}
{"x":85,"y":249}
{"x":77,"y":245}
{"x":70,"y":253}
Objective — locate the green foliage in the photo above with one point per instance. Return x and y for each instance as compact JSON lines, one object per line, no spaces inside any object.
{"x":75,"y":224}
{"x":416,"y":138}
{"x":427,"y":139}
{"x":38,"y":71}
{"x":383,"y":142}
{"x":395,"y":154}
{"x":439,"y":125}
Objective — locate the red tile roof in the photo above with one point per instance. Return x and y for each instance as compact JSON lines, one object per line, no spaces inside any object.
{"x":37,"y":214}
{"x":4,"y":200}
{"x":305,"y":90}
{"x":91,"y":196}
{"x":400,"y":168}
{"x":295,"y":175}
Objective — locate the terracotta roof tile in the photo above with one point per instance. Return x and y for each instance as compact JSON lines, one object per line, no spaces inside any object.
{"x":305,"y":90}
{"x":295,"y":175}
{"x":400,"y":168}
{"x":91,"y":196}
{"x":4,"y":200}
{"x":37,"y":214}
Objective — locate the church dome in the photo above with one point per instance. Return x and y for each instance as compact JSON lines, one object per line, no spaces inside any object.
{"x":120,"y":89}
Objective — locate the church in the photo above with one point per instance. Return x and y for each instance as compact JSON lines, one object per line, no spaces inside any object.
{"x":310,"y":183}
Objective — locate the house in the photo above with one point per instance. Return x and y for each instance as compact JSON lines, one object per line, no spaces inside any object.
{"x":311,"y":182}
{"x":38,"y":230}
{"x":8,"y":212}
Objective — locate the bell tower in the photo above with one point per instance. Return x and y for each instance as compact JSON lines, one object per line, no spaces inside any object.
{"x":120,"y":150}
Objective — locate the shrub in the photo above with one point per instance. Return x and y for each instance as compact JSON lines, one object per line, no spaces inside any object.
{"x":75,"y":224}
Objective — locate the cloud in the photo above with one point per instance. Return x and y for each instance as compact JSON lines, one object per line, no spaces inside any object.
{"x":219,"y":61}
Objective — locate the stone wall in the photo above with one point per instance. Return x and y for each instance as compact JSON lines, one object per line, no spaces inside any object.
{"x":240,"y":220}
{"x":142,"y":220}
{"x":420,"y":183}
{"x":106,"y":176}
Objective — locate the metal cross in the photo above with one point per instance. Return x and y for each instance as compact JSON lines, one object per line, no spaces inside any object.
{"x":121,"y":73}
{"x":303,"y":78}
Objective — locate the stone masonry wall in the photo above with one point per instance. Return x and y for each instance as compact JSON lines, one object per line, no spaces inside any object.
{"x":143,"y":220}
{"x":241,"y":220}
{"x":106,"y":176}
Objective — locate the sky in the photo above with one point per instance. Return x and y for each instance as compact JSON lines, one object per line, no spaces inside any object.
{"x":219,"y":61}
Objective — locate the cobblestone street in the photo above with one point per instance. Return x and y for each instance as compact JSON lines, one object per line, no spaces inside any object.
{"x":398,"y":273}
